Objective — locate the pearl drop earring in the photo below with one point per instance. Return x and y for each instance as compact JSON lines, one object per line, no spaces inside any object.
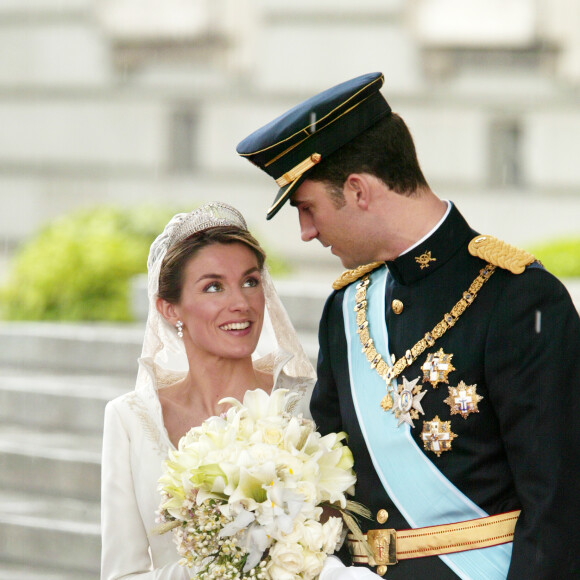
{"x":179,"y":326}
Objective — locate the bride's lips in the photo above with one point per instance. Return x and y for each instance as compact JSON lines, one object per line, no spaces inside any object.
{"x":236,"y":326}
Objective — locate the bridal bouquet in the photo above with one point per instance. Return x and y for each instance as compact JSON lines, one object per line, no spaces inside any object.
{"x":245,"y":492}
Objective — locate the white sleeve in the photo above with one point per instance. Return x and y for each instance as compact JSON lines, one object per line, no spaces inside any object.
{"x":125,"y":547}
{"x":334,"y":569}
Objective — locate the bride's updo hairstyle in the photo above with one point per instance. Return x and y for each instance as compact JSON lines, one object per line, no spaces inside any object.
{"x":171,"y":275}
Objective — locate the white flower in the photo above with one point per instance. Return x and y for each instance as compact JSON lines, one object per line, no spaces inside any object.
{"x":331,"y":531}
{"x":313,"y":535}
{"x":313,"y":563}
{"x":286,"y":558}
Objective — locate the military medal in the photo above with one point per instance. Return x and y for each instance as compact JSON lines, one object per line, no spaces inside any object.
{"x":437,"y":435}
{"x":463,"y":399}
{"x":437,"y":367}
{"x":407,"y":401}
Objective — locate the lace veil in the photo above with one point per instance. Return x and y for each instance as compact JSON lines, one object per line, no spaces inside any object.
{"x":163,"y":352}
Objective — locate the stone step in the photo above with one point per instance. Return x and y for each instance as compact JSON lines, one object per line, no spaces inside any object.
{"x":48,"y":400}
{"x":81,"y":348}
{"x":50,"y":462}
{"x":59,"y":536}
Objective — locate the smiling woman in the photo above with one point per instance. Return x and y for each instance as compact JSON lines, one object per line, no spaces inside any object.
{"x":216,"y":328}
{"x":220,"y":312}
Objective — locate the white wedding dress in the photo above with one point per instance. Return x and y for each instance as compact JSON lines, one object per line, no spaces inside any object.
{"x":135,"y":444}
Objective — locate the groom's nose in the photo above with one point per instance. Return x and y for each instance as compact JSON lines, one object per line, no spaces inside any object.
{"x":307,"y":230}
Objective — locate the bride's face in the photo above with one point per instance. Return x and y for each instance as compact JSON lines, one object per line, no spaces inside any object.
{"x":222,"y":301}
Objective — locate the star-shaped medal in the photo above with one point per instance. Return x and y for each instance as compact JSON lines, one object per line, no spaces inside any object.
{"x":437,"y":435}
{"x":437,"y":367}
{"x":407,"y":402}
{"x":463,"y":399}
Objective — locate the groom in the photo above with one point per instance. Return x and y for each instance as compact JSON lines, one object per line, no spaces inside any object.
{"x":450,"y":358}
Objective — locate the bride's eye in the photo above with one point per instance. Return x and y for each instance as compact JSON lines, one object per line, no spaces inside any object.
{"x":213,"y":287}
{"x":251,"y":282}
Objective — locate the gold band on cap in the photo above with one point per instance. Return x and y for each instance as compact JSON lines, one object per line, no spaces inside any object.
{"x":294,"y":173}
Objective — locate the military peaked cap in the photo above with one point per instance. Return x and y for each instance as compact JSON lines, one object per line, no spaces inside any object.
{"x":287,"y":147}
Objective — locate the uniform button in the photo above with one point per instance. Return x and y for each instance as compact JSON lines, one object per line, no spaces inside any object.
{"x":382,"y":516}
{"x":397,"y":306}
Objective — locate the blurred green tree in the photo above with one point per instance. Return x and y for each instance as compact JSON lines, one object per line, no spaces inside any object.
{"x":561,"y":256}
{"x":80,"y":266}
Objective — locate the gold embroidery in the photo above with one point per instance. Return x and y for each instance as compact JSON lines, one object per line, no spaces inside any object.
{"x":424,"y":259}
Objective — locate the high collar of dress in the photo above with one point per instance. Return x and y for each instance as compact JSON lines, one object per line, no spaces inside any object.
{"x":434,"y":251}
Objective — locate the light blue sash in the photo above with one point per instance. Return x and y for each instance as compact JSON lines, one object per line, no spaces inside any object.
{"x":423,"y":495}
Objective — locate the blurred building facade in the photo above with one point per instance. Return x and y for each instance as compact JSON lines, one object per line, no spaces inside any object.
{"x":132,"y":101}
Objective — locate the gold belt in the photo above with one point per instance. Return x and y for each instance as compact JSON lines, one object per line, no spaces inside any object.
{"x":389,"y":546}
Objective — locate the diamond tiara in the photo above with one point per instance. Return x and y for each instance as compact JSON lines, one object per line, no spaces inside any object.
{"x":209,"y":215}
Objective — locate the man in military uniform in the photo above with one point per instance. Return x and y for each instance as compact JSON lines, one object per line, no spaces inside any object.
{"x":450,"y":358}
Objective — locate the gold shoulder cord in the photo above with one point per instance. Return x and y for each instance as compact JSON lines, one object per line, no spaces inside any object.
{"x":388,"y":373}
{"x":350,"y":276}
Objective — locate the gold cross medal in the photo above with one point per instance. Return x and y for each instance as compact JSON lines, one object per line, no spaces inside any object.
{"x":437,"y":435}
{"x":407,"y":402}
{"x":463,"y":399}
{"x":437,"y":367}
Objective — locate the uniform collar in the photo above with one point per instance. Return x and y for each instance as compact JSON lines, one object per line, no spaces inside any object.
{"x":433,"y":252}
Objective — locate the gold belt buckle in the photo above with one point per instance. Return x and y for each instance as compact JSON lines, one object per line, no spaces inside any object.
{"x":383,"y":543}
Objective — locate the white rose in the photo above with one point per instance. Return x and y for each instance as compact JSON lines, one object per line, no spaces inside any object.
{"x":296,"y":534}
{"x":287,"y":561}
{"x":313,"y":563}
{"x":331,"y":531}
{"x":313,"y":535}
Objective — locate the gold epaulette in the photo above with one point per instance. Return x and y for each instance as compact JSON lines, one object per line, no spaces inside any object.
{"x":500,"y":254}
{"x":350,"y":276}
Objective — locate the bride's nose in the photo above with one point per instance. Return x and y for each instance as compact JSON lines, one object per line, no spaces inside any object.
{"x":238,"y":300}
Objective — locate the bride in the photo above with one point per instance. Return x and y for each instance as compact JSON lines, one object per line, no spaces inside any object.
{"x":215,"y":329}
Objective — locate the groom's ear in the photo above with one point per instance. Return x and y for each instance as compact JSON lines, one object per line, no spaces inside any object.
{"x":167,"y":310}
{"x":358,"y":187}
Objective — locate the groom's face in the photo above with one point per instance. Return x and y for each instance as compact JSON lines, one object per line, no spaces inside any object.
{"x":322,"y":219}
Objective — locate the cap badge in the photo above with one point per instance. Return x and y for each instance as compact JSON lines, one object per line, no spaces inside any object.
{"x":424,"y":259}
{"x":437,"y":435}
{"x":437,"y":367}
{"x":463,"y":399}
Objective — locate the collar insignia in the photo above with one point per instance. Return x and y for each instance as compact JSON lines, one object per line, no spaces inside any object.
{"x":424,"y":259}
{"x":463,"y":399}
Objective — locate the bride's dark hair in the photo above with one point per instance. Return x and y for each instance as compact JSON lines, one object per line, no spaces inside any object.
{"x":178,"y":256}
